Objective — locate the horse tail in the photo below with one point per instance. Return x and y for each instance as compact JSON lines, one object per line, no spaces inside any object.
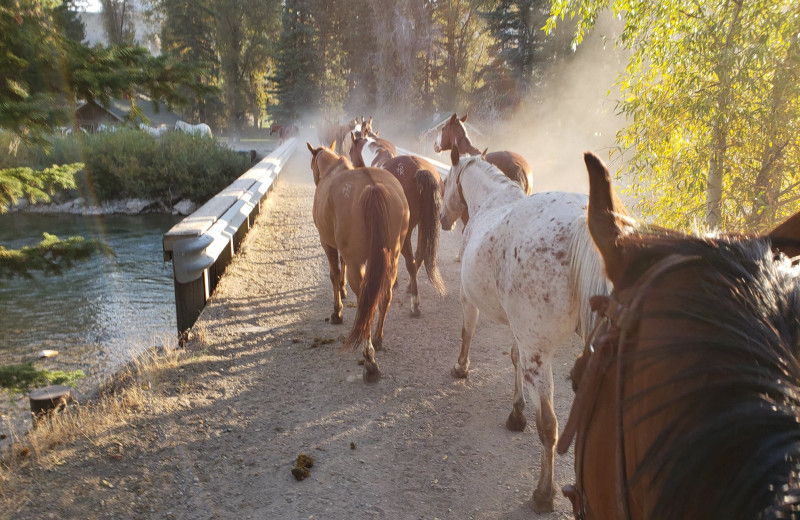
{"x":377,"y":283}
{"x":587,"y":277}
{"x":428,"y":240}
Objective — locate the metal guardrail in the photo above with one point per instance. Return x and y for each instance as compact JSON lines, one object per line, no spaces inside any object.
{"x":202,"y":244}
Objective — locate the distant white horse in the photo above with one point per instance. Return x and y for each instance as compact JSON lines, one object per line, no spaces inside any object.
{"x":200,"y":129}
{"x":154,"y":131}
{"x":528,"y":262}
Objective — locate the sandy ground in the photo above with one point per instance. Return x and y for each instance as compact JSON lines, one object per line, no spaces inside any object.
{"x":263,"y":380}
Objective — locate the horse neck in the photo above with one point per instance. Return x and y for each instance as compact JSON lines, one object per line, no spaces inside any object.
{"x":465,"y":146}
{"x":340,"y":165}
{"x":484,"y":190}
{"x":373,"y":154}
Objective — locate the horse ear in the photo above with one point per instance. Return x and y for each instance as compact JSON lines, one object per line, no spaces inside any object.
{"x":454,"y":156}
{"x":786,"y":237}
{"x":605,"y":220}
{"x":464,"y":119}
{"x":333,"y":145}
{"x":377,"y":132}
{"x":453,"y":117}
{"x":353,"y":136}
{"x":483,"y":155}
{"x":310,"y":148}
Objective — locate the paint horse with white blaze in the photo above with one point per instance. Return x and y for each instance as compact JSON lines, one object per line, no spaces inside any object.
{"x":528,"y":262}
{"x":201,"y":129}
{"x":361,"y":215}
{"x":422,"y":188}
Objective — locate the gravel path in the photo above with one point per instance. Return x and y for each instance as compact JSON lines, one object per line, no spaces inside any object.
{"x":263,"y":380}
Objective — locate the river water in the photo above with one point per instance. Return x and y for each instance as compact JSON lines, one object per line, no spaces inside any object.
{"x":99,"y":314}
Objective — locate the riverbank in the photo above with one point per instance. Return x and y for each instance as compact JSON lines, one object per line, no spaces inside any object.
{"x":80,"y":206}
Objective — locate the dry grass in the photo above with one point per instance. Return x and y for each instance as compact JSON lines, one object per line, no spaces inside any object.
{"x":134,"y":391}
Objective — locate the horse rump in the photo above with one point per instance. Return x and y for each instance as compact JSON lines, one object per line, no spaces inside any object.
{"x":377,"y":284}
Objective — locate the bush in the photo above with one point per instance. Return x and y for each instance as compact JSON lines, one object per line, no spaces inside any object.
{"x":133,"y":164}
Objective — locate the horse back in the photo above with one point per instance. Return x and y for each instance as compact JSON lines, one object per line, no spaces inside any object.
{"x":515,"y":167}
{"x":404,"y":168}
{"x":340,"y":215}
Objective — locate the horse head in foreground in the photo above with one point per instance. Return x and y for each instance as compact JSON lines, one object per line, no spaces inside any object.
{"x":688,"y":404}
{"x":529,"y":262}
{"x":361,"y":215}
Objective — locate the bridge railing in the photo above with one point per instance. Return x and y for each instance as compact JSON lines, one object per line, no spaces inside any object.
{"x":202,"y":244}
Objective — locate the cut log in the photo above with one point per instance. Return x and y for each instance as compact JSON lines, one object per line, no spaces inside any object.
{"x":48,"y":399}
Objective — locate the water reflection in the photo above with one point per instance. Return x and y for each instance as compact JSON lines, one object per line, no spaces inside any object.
{"x":98,"y":314}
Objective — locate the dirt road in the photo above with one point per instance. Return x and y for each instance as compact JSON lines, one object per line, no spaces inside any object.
{"x":263,"y":380}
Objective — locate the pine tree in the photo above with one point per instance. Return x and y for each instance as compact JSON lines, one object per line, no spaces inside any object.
{"x":296,"y":64}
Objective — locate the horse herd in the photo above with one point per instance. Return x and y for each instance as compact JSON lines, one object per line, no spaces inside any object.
{"x":688,"y":387}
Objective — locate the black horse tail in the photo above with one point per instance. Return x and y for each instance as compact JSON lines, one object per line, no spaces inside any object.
{"x":428,"y":239}
{"x":377,"y":283}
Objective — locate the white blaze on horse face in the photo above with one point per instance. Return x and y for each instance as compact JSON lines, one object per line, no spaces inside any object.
{"x":437,"y":145}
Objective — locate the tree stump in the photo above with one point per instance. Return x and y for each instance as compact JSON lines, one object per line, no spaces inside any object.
{"x":49,"y":399}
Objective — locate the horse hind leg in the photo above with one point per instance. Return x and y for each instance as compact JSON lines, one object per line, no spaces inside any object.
{"x":516,"y":419}
{"x":461,"y":369}
{"x":337,"y":280}
{"x":342,"y":279}
{"x":412,"y":267}
{"x":541,"y":378}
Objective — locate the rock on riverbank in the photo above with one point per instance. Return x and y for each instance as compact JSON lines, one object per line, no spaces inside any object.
{"x":81,"y":206}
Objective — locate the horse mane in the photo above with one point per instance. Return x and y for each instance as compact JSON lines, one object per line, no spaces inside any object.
{"x":486,"y":167}
{"x":733,"y":447}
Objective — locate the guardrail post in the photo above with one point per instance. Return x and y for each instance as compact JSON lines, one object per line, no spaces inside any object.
{"x":202,"y":244}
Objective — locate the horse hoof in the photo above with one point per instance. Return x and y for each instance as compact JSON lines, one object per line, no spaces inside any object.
{"x":542,"y":502}
{"x":336,"y":319}
{"x":459,"y":372}
{"x":372,"y":376}
{"x":415,"y":313}
{"x":516,"y":422}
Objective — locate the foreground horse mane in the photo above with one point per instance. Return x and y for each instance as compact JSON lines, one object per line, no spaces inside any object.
{"x":486,"y":167}
{"x":733,"y":449}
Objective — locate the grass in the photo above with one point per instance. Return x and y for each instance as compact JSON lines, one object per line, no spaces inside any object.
{"x":136,"y":389}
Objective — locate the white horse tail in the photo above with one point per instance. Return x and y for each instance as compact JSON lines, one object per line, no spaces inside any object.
{"x":586,"y":275}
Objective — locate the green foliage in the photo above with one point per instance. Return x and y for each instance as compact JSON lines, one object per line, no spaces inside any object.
{"x":19,"y":379}
{"x":712,"y":95}
{"x":134,"y":164}
{"x":35,"y":185}
{"x":51,"y":256}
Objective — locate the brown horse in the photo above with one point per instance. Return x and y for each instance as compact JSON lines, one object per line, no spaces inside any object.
{"x":512,"y":164}
{"x":422,"y":187}
{"x":688,"y":404}
{"x":284,"y":132}
{"x":362,"y":215}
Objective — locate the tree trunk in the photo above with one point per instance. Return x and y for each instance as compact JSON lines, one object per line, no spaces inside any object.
{"x":719,"y":131}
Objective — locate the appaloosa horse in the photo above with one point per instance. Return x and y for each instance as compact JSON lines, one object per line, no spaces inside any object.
{"x":688,"y":402}
{"x":362,"y":215}
{"x":529,"y":262}
{"x":422,"y":187}
{"x":512,"y":164}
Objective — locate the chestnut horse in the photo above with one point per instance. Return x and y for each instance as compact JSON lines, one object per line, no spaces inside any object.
{"x":284,"y":132}
{"x":688,"y":404}
{"x":512,"y":164}
{"x":422,"y":187}
{"x":362,"y":215}
{"x":528,"y":262}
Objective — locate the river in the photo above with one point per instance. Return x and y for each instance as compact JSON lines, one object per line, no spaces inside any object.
{"x":98,"y":314}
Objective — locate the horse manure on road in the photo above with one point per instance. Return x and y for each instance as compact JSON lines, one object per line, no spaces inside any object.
{"x":300,"y":469}
{"x":321,"y":341}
